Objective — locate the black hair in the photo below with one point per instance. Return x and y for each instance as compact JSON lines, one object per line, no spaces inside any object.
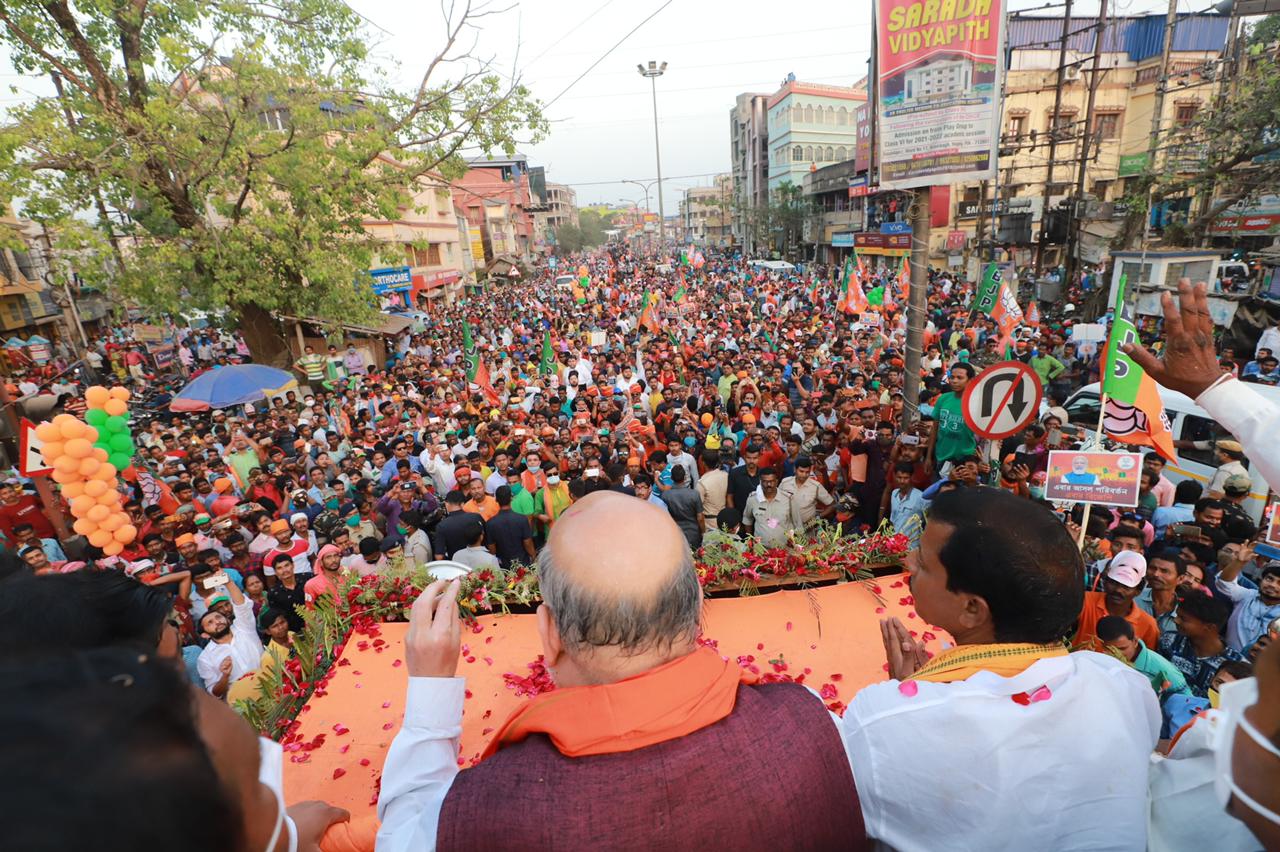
{"x":1170,"y":554}
{"x":1238,"y":669}
{"x":1197,"y":604}
{"x":79,"y":610}
{"x":1017,"y":557}
{"x":962,"y":365}
{"x":100,"y":750}
{"x":502,"y":494}
{"x":1187,"y":491}
{"x":1112,"y":627}
{"x":904,"y":467}
{"x":455,"y":498}
{"x":1208,"y":503}
{"x":729,"y":518}
{"x":678,"y":474}
{"x":368,"y":546}
{"x":1127,"y":531}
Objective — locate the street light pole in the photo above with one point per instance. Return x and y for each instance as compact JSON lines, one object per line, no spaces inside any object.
{"x":653,"y":71}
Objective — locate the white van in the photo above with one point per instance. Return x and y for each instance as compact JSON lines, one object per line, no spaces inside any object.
{"x":565,"y":282}
{"x":772,"y":265}
{"x":1189,"y":422}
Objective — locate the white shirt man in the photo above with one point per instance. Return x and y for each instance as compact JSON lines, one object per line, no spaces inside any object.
{"x":244,"y":648}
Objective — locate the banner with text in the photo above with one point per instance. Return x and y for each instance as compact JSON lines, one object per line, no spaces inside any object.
{"x":939,"y":64}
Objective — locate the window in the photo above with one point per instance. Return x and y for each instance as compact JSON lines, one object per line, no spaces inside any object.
{"x":1106,"y":125}
{"x":275,"y":119}
{"x":1064,"y":122}
{"x":841,"y":154}
{"x":1101,"y":188}
{"x":831,"y":115}
{"x":808,"y":153}
{"x":1185,"y":115}
{"x":1201,"y":429}
{"x":808,"y":114}
{"x":842,"y":116}
{"x":1084,"y":407}
{"x":797,"y":154}
{"x":797,"y":114}
{"x":1017,"y":125}
{"x":831,"y":154}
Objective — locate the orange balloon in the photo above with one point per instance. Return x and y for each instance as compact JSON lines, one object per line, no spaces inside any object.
{"x":121,"y":394}
{"x":97,"y":396}
{"x":64,"y":418}
{"x":72,"y":428}
{"x":100,"y":454}
{"x":66,"y":478}
{"x":47,"y":432}
{"x":106,"y":473}
{"x":113,"y":549}
{"x":94,"y":488}
{"x":90,"y":434}
{"x":100,"y":538}
{"x":126,"y":533}
{"x":66,"y":464}
{"x":74,"y":489}
{"x":110,"y":498}
{"x":78,"y":448}
{"x":84,"y":526}
{"x":115,"y":522}
{"x":89,"y":466}
{"x":98,"y":513}
{"x":115,"y":407}
{"x":52,"y":449}
{"x":80,"y":506}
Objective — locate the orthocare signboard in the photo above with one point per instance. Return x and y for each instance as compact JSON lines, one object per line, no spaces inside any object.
{"x":391,"y":279}
{"x":938,"y":67}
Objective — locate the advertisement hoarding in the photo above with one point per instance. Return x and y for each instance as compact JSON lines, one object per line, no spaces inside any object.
{"x":938,"y":72}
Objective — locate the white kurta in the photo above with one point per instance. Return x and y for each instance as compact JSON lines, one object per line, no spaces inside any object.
{"x":965,"y":766}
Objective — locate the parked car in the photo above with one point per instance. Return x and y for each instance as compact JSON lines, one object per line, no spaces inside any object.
{"x":1188,"y":422}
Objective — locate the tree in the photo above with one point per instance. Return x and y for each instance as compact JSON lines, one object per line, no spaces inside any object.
{"x":592,"y":225}
{"x":569,"y":238}
{"x":1265,"y":31}
{"x":241,"y":144}
{"x":1229,"y":150}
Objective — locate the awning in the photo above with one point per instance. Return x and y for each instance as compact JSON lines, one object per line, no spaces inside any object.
{"x":389,"y":324}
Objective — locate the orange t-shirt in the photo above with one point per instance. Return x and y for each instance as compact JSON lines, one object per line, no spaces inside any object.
{"x":1095,"y":609}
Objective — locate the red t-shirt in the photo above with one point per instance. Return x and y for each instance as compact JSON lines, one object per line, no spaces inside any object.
{"x":297,"y":551}
{"x":26,"y":511}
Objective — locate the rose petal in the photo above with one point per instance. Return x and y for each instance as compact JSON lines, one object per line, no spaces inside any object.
{"x":909,"y":688}
{"x":364,"y":761}
{"x":395,"y":664}
{"x":386,"y":704}
{"x":338,"y":773}
{"x":388,"y":726}
{"x":343,"y":750}
{"x":788,"y":625}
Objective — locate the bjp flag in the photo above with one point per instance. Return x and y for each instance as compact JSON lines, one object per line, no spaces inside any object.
{"x":1134,"y":413}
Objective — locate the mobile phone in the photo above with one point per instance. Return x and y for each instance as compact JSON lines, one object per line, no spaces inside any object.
{"x":911,"y":440}
{"x":591,"y":473}
{"x":869,"y":434}
{"x":1268,"y":550}
{"x":217,"y":581}
{"x":1186,"y":530}
{"x":1028,"y":460}
{"x":1055,"y":437}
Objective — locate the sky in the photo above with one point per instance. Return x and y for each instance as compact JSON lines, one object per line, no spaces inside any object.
{"x":601,"y":126}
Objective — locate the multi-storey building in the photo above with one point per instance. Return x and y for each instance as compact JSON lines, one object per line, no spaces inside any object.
{"x":749,"y":156}
{"x":810,"y":126}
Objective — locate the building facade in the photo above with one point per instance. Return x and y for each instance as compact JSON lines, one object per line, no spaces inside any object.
{"x":810,"y":125}
{"x":494,"y":196}
{"x":749,"y":156}
{"x":706,"y":214}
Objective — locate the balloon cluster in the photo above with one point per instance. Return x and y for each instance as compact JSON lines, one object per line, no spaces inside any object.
{"x":84,"y":459}
{"x":108,"y":413}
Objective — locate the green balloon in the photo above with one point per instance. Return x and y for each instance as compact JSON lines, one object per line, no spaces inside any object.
{"x":95,"y":417}
{"x":121,"y":460}
{"x":117,"y":423}
{"x":121,"y":444}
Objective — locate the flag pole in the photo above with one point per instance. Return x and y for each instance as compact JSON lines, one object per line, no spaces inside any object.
{"x":1107,"y":365}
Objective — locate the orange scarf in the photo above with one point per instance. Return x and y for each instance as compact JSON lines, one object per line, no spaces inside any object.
{"x":1005,"y":660}
{"x":675,"y":699}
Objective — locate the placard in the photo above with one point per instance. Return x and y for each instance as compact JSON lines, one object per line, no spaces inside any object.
{"x":1105,"y":479}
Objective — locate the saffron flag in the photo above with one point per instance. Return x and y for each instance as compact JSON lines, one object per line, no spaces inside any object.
{"x":477,"y":370}
{"x":1007,"y":315}
{"x":904,"y":280}
{"x":680,"y":294}
{"x":547,"y":365}
{"x":1133,"y":413}
{"x":648,"y":313}
{"x":1033,"y":313}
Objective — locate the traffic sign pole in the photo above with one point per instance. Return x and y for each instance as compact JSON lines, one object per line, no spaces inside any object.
{"x":1002,"y":400}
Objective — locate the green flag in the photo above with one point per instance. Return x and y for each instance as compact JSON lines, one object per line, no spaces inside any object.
{"x":547,"y":365}
{"x":773,"y":347}
{"x":680,"y":294}
{"x":469,"y":355}
{"x":989,"y":290}
{"x":1134,"y":412}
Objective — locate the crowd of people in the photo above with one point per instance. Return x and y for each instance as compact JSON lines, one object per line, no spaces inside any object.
{"x":659,"y":410}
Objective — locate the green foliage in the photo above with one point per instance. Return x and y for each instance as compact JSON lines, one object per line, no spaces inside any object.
{"x":569,"y":238}
{"x":592,"y":225}
{"x":242,"y":142}
{"x":1264,"y":32}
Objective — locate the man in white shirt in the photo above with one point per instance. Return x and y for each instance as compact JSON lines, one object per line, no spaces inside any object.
{"x":234,"y":648}
{"x":971,"y":749}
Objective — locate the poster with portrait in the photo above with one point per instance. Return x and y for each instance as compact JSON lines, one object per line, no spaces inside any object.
{"x":1106,"y":479}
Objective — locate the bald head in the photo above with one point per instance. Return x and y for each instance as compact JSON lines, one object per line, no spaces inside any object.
{"x":617,"y":576}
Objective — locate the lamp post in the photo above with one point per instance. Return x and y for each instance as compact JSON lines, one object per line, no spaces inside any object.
{"x":653,"y":71}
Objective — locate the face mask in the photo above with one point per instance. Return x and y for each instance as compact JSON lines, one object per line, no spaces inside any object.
{"x":1037,"y":492}
{"x":1235,"y":697}
{"x":516,"y":489}
{"x":331,"y":504}
{"x":535,"y":466}
{"x":553,"y":480}
{"x":271,"y":773}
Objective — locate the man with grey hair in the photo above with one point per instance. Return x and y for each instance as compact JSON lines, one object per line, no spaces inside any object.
{"x":648,"y":740}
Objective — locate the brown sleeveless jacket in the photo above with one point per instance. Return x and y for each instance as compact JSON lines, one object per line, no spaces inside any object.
{"x":772,"y":775}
